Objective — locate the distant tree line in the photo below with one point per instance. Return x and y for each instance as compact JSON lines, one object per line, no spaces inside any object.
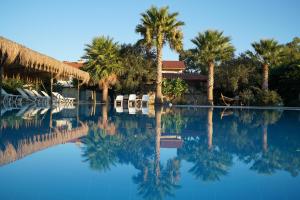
{"x":269,"y":74}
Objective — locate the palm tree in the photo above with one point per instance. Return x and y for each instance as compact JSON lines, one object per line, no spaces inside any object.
{"x":268,"y":53}
{"x":157,"y":28}
{"x":212,"y":48}
{"x":103,"y":63}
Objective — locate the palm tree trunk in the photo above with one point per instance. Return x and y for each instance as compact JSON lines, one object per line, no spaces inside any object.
{"x":265,"y":137}
{"x":158,"y":98}
{"x":104,"y":116}
{"x":265,"y":83}
{"x":210,"y":84}
{"x":94,"y":96}
{"x":105,"y":93}
{"x":157,"y":144}
{"x":209,"y":127}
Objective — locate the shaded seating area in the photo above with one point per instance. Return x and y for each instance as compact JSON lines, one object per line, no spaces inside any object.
{"x":19,"y":61}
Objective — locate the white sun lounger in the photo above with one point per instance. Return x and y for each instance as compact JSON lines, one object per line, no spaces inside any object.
{"x":145,"y":100}
{"x":131,"y":100}
{"x":131,"y":110}
{"x":44,"y":98}
{"x":24,"y":95}
{"x":119,"y":101}
{"x":61,"y":98}
{"x":11,"y":98}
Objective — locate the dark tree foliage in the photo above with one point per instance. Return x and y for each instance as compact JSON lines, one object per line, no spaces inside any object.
{"x":139,"y":69}
{"x":286,"y":80}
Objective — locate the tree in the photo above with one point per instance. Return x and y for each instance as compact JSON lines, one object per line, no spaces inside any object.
{"x":268,"y":53}
{"x":158,"y":27}
{"x":174,"y":87}
{"x":212,"y":48}
{"x":138,"y":74}
{"x":103,"y":63}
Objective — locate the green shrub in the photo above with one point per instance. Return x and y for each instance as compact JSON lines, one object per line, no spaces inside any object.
{"x":174,"y":88}
{"x":247,"y":97}
{"x":267,"y":98}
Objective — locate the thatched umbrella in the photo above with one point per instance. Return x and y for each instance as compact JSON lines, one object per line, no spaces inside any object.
{"x":16,"y":59}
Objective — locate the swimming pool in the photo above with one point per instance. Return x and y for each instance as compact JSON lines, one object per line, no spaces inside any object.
{"x":89,"y":152}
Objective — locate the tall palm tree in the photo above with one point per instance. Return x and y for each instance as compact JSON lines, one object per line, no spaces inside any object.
{"x":212,"y":48}
{"x":103,"y":63}
{"x":158,"y":27}
{"x":268,"y":53}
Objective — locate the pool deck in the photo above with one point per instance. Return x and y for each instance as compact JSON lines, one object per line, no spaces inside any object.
{"x":240,"y":107}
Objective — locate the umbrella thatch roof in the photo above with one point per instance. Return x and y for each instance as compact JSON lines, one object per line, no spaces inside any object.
{"x":18,"y":58}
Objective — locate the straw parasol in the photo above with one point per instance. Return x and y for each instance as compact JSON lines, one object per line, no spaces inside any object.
{"x":16,"y":58}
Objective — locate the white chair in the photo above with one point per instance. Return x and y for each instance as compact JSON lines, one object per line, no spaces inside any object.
{"x":46,"y":95}
{"x":119,"y":109}
{"x":119,"y":101}
{"x":32,"y":95}
{"x":131,"y":110}
{"x":131,"y":100}
{"x":24,"y":95}
{"x":11,"y":98}
{"x":145,"y":110}
{"x":145,"y":100}
{"x":44,"y":98}
{"x":63,"y":99}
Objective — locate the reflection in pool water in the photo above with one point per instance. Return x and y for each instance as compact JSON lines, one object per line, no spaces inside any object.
{"x":178,"y":153}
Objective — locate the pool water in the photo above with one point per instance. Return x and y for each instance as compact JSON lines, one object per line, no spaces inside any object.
{"x":94,"y":152}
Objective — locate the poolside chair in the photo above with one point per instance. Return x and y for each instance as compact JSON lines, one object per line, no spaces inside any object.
{"x":145,"y":110}
{"x":44,"y":98}
{"x":230,"y":101}
{"x":32,"y":95}
{"x":119,"y":101}
{"x":11,"y":98}
{"x":24,"y":95}
{"x":46,"y":95}
{"x":131,"y":110}
{"x":132,"y":100}
{"x":119,"y":109}
{"x":145,"y":100}
{"x":63,"y":99}
{"x":22,"y":110}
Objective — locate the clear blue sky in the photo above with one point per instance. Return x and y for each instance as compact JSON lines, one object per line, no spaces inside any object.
{"x":61,"y":28}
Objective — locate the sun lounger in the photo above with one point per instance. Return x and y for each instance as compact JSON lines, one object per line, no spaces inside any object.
{"x":119,"y":101}
{"x":145,"y":110}
{"x":131,"y":110}
{"x":24,"y":95}
{"x":145,"y":100}
{"x":11,"y":98}
{"x":131,"y":100}
{"x":63,"y":99}
{"x":44,"y":98}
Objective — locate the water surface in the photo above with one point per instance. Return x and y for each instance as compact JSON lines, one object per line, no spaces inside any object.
{"x":91,"y":152}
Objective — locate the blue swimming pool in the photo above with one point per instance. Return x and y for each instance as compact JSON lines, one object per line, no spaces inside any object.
{"x":89,"y":152}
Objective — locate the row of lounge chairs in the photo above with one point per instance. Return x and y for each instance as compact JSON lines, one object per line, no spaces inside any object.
{"x":132,"y":101}
{"x":29,"y":110}
{"x":33,"y":96}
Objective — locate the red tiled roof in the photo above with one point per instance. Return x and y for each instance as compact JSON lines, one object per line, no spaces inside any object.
{"x":74,"y":64}
{"x":168,"y":64}
{"x":185,"y":76}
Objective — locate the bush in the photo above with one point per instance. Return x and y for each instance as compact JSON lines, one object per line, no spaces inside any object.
{"x":247,"y":97}
{"x":267,"y":98}
{"x":174,"y":88}
{"x":258,"y":97}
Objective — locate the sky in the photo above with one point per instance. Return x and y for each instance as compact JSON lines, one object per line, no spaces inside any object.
{"x":61,"y":28}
